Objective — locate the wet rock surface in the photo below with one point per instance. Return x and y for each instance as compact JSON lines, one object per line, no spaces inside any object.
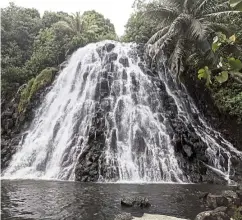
{"x":212,"y":215}
{"x":141,"y":202}
{"x":190,"y":149}
{"x":222,"y":206}
{"x":14,"y":124}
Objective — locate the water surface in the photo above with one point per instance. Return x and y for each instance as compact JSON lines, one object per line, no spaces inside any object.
{"x":32,"y":199}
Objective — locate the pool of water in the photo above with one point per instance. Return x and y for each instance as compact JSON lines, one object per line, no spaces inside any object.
{"x":32,"y":199}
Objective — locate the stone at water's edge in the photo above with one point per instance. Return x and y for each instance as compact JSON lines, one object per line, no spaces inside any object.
{"x":224,"y":205}
{"x":128,"y":216}
{"x":157,"y":217}
{"x":141,"y":202}
{"x":212,"y":215}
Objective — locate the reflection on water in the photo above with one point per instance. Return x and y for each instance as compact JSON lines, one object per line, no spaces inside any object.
{"x":29,"y":199}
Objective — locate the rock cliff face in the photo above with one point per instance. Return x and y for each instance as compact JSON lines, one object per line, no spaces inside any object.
{"x":228,"y":125}
{"x":164,"y":133}
{"x":17,"y":115}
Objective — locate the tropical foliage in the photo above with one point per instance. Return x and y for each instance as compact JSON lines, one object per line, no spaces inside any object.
{"x":202,"y":39}
{"x":228,"y":66}
{"x":188,"y":27}
{"x":31,"y":43}
{"x":139,"y":29}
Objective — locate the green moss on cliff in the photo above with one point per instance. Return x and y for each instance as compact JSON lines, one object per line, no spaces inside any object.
{"x":228,"y":99}
{"x":34,"y":85}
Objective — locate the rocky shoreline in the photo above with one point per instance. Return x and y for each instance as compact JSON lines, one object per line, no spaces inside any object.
{"x":224,"y":206}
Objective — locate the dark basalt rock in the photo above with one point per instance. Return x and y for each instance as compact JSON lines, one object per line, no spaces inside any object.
{"x":225,"y":205}
{"x":188,"y":150}
{"x":109,"y":58}
{"x":124,"y":61}
{"x":109,"y":46}
{"x":224,"y":123}
{"x":136,"y":202}
{"x":14,"y":122}
{"x":214,"y":201}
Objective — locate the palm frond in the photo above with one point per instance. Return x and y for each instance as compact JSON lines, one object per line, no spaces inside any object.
{"x":157,"y":45}
{"x":218,"y":15}
{"x":177,"y":57}
{"x":188,"y":6}
{"x":196,"y":30}
{"x":210,"y":27}
{"x":166,"y":39}
{"x":180,"y":24}
{"x":153,"y":50}
{"x":217,"y":8}
{"x":158,"y":35}
{"x":163,"y":12}
{"x":193,"y":59}
{"x":203,"y":6}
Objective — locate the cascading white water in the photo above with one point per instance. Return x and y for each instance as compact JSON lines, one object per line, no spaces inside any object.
{"x":217,"y":146}
{"x":138,"y":146}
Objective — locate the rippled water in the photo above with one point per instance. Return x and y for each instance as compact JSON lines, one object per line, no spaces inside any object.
{"x":30,"y":199}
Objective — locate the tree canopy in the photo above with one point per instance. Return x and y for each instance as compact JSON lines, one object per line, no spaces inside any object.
{"x":202,"y":37}
{"x":31,"y":43}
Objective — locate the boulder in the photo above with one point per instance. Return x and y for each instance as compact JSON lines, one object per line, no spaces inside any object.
{"x":113,"y":56}
{"x":124,"y":61}
{"x":216,"y":214}
{"x":232,"y":197}
{"x":188,"y":150}
{"x":128,"y":202}
{"x":109,"y":46}
{"x":124,"y":216}
{"x":214,"y":201}
{"x":142,"y":202}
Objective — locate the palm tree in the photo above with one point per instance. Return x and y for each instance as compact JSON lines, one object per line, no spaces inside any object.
{"x":73,"y":23}
{"x":76,"y":25}
{"x":187,"y":24}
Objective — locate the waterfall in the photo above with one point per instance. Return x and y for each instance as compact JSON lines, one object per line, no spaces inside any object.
{"x":108,"y":118}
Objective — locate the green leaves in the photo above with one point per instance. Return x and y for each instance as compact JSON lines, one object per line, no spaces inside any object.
{"x":205,"y":73}
{"x":232,"y":39}
{"x":235,"y":64}
{"x":221,"y":39}
{"x":236,"y":4}
{"x":215,"y":46}
{"x":222,"y":77}
{"x":230,"y":68}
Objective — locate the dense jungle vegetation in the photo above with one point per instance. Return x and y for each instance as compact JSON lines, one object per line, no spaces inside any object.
{"x":31,"y":43}
{"x":201,"y":38}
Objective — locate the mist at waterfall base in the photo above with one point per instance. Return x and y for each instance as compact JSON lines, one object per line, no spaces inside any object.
{"x":108,"y":118}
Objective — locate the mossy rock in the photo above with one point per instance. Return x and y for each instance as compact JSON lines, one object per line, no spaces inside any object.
{"x":42,"y":80}
{"x":228,"y":99}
